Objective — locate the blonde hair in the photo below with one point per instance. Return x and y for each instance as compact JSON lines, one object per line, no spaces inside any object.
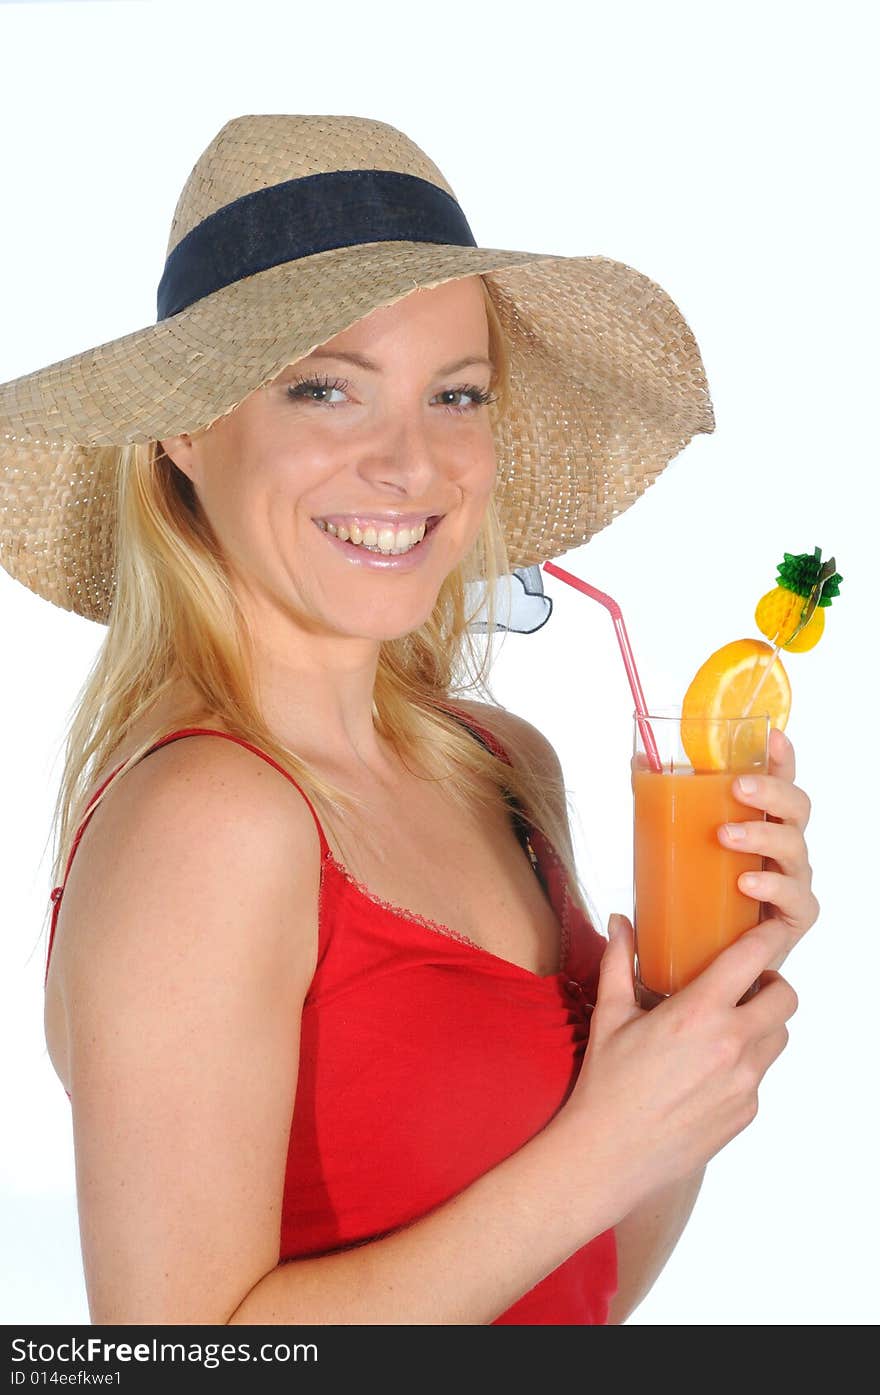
{"x":175,"y":616}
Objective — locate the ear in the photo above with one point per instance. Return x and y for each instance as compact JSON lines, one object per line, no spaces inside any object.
{"x":179,"y":449}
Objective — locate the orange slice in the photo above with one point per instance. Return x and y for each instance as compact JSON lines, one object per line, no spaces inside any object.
{"x":722,"y":688}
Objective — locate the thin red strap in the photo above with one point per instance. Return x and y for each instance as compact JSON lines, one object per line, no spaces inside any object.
{"x":264,"y":755}
{"x":491,"y":741}
{"x":58,"y":891}
{"x":522,"y":824}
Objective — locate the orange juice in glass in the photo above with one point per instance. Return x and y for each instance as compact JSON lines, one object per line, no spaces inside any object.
{"x":687,"y":905}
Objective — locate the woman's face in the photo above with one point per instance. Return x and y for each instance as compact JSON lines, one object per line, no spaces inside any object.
{"x":396,"y":439}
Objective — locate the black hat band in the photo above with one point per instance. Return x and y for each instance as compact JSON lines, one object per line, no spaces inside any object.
{"x":300,"y":217}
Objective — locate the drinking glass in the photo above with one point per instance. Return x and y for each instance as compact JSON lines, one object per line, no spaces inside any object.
{"x":687,"y":906}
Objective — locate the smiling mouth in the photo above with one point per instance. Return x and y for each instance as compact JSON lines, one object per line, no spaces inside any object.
{"x":384,"y":540}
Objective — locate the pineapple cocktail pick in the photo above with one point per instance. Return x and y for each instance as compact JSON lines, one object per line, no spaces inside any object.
{"x":783,"y":612}
{"x":795,"y":608}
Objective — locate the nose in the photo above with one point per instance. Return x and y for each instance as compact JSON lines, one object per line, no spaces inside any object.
{"x":400,"y":458}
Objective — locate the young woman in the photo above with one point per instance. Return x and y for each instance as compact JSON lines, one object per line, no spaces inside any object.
{"x":341,"y":1041}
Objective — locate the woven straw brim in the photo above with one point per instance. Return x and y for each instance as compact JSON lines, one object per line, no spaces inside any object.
{"x":607,"y":385}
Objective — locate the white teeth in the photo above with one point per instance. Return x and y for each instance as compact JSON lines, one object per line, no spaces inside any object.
{"x":387,"y":540}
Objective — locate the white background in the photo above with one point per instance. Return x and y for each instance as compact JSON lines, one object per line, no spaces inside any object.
{"x":728,"y":152}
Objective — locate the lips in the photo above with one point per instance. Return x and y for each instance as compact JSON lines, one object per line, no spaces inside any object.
{"x":360,"y":556}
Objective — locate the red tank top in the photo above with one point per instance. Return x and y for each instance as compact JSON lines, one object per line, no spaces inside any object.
{"x":425,"y":1060}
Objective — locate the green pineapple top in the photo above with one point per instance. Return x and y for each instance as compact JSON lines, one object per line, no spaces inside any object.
{"x":801,"y":573}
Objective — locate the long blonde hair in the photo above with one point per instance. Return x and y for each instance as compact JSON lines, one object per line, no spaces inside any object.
{"x":175,"y":616}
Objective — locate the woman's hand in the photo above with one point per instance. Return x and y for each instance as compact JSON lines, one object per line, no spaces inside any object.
{"x":660,"y":1092}
{"x":784,"y":888}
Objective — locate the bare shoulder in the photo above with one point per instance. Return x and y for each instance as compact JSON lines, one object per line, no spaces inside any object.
{"x":196,"y":828}
{"x":519,"y":736}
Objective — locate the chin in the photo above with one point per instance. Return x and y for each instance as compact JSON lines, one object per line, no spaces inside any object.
{"x":385,"y":633}
{"x":381,"y":628}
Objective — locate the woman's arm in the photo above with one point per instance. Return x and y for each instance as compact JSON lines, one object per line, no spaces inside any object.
{"x":465,"y":1262}
{"x":189,"y":943}
{"x":645,"y":1240}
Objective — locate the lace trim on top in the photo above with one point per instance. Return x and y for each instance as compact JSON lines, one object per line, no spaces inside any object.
{"x":404,"y":913}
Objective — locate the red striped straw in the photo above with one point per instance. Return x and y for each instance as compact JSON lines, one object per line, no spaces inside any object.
{"x":629,"y":662}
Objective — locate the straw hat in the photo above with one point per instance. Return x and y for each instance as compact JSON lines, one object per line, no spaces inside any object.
{"x":287,"y":231}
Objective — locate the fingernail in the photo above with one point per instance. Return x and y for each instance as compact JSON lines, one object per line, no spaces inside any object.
{"x":746,"y":784}
{"x":735,"y":832}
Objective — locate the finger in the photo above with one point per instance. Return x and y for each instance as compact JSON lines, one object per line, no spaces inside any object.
{"x":768,"y":1050}
{"x":781,"y":760}
{"x":779,"y":798}
{"x":735,"y":969}
{"x":766,"y":884}
{"x":790,"y":897}
{"x":615,"y":992}
{"x":775,"y":1003}
{"x":781,"y":841}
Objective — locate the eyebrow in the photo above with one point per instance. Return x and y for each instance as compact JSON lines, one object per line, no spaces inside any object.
{"x":361,"y":362}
